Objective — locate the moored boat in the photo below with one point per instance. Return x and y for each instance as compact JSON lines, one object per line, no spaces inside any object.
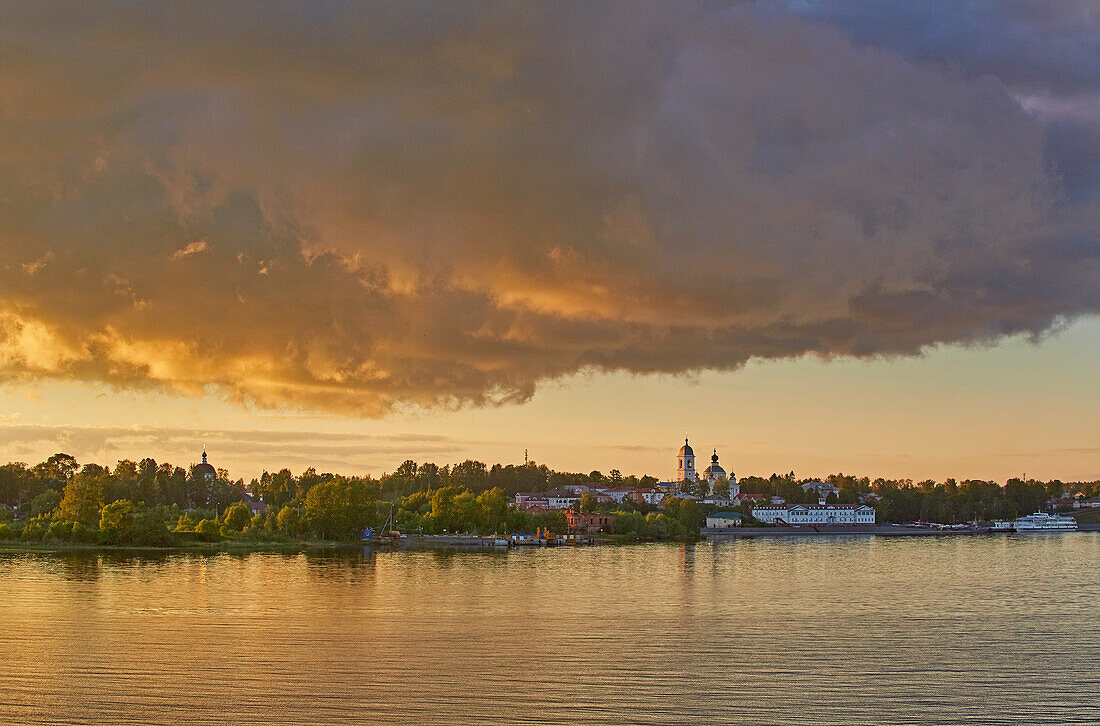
{"x":1043,"y":522}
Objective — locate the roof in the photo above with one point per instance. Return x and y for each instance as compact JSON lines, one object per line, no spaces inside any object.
{"x":726,"y":515}
{"x":204,"y":467}
{"x":559,"y":493}
{"x":686,"y":450}
{"x":814,"y":506}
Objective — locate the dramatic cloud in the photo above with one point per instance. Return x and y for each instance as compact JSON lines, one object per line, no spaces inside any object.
{"x":357,"y":206}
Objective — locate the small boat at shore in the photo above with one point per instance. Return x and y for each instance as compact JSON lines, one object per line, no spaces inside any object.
{"x":1038,"y":522}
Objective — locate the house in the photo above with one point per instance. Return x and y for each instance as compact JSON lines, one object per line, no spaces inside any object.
{"x":532,"y":502}
{"x":796,"y":514}
{"x":561,"y":498}
{"x":823,"y":489}
{"x":723,"y":519}
{"x":618,"y":494}
{"x":1090,"y":503}
{"x":588,"y":523}
{"x":648,"y":496}
{"x":258,"y":507}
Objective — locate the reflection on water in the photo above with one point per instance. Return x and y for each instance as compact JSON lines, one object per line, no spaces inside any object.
{"x":803,"y":631}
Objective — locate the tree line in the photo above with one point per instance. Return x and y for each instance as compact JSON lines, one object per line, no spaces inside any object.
{"x":146,"y":503}
{"x":948,"y":502}
{"x":161,"y":504}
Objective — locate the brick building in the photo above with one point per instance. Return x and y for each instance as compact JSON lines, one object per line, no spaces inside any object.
{"x":588,"y":523}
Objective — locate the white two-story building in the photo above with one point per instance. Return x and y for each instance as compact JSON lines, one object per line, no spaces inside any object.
{"x":814,"y":513}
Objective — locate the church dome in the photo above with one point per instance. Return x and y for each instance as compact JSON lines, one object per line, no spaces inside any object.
{"x":205,"y":469}
{"x":714,"y":470}
{"x":685,"y":450}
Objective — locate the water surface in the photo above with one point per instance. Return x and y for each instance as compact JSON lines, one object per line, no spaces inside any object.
{"x":860,"y":630}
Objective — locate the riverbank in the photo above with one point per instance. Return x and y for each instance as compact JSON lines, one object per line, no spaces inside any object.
{"x":881,"y":530}
{"x":228,"y":547}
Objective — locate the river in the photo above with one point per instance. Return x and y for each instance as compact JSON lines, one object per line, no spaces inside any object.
{"x":853,"y":630}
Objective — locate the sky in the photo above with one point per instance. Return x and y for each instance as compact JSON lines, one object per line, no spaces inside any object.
{"x":818,"y":236}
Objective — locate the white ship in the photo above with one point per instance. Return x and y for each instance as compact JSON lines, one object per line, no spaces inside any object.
{"x":1042,"y":522}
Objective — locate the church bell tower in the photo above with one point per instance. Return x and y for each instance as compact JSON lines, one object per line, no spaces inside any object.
{"x":685,"y":463}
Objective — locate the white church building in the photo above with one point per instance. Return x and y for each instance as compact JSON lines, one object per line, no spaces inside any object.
{"x":713,"y":474}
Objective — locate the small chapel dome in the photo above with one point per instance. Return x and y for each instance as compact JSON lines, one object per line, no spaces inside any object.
{"x":205,"y":470}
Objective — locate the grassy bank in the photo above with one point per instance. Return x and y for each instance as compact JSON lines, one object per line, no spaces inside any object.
{"x":228,"y":546}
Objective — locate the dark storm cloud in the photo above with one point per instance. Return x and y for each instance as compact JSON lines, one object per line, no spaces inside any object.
{"x":352,"y":207}
{"x":1046,"y":53}
{"x":1044,"y":47}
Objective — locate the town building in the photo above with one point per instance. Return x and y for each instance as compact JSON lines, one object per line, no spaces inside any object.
{"x":618,"y":494}
{"x":719,"y":520}
{"x":795,"y":514}
{"x":566,"y":496}
{"x":588,"y":523}
{"x":648,"y":496}
{"x":823,"y":489}
{"x":560,"y":498}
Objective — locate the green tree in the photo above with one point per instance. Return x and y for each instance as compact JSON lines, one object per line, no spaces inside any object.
{"x":470,"y":474}
{"x":82,"y":500}
{"x":289,"y":520}
{"x":341,"y":508}
{"x":59,"y":468}
{"x":36,"y":528}
{"x":686,"y":514}
{"x":237,"y":516}
{"x":494,"y":510}
{"x":60,"y":530}
{"x":116,"y":522}
{"x":208,"y":530}
{"x":45,"y":502}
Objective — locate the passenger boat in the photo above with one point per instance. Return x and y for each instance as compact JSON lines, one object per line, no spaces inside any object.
{"x":1043,"y":522}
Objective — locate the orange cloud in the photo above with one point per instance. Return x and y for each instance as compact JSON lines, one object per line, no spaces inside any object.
{"x":354,"y":209}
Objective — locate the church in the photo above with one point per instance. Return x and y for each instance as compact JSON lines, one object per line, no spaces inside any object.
{"x":713,"y":474}
{"x":205,"y":470}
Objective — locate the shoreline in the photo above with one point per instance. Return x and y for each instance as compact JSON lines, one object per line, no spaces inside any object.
{"x":880,"y":530}
{"x":445,"y":543}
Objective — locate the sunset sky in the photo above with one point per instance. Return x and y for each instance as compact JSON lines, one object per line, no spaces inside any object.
{"x":820,"y":236}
